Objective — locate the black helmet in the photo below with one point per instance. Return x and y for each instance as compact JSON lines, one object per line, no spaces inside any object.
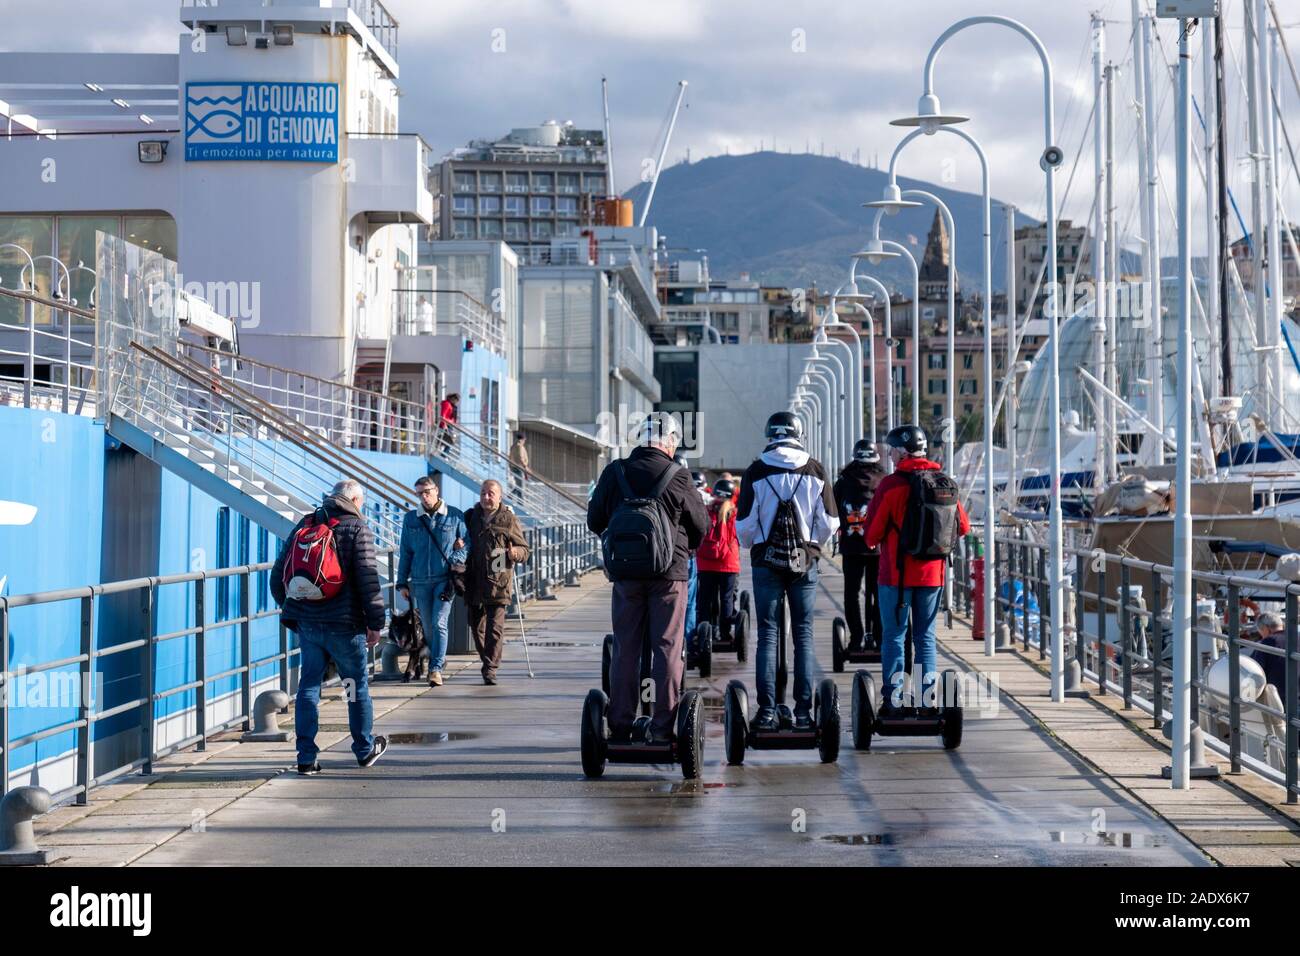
{"x":910,"y":438}
{"x":698,"y":478}
{"x":784,"y":426}
{"x":724,"y":488}
{"x":864,"y":451}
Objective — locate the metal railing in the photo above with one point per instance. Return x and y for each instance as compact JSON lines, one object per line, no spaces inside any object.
{"x":378,"y":21}
{"x":559,"y":555}
{"x":447,"y":311}
{"x":64,"y":345}
{"x":1118,"y":628}
{"x":356,"y":418}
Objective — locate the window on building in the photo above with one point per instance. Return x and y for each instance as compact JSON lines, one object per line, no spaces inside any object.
{"x":462,"y":228}
{"x":542,"y":229}
{"x":463,"y":205}
{"x":542,"y":205}
{"x":936,"y":360}
{"x":594,"y":184}
{"x":968,"y":361}
{"x":543,"y":182}
{"x":969,"y":408}
{"x":489,"y":182}
{"x":516,"y":229}
{"x":489,"y":229}
{"x":465,"y":182}
{"x":900,"y":349}
{"x":937,"y":410}
{"x":566,"y":227}
{"x":515,"y":206}
{"x":568,"y":184}
{"x":937,"y":386}
{"x":566,"y":206}
{"x":489,"y":205}
{"x":516,"y":182}
{"x":968,"y":386}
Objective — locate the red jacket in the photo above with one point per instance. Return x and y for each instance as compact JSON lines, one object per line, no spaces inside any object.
{"x":720,"y":549}
{"x":447,"y":412}
{"x":885,"y":519}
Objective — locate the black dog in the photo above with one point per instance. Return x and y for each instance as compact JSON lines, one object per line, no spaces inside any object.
{"x":408,"y":631}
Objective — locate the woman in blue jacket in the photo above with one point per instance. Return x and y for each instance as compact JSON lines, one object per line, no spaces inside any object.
{"x":433,"y":539}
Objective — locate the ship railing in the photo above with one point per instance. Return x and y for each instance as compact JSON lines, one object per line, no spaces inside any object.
{"x":1117,"y":628}
{"x":64,"y":346}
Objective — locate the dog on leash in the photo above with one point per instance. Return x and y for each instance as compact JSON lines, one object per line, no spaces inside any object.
{"x":408,"y":631}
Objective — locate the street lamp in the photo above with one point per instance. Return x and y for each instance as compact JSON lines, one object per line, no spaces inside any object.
{"x":829,"y":429}
{"x":889,"y":358}
{"x":894,"y":202}
{"x":906,"y":253}
{"x":852,"y":382}
{"x":838,"y":374}
{"x":929,"y":117}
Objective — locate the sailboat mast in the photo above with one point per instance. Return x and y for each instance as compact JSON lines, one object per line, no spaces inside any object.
{"x":1210,"y":112}
{"x":1112,"y":293}
{"x":1100,"y":284}
{"x":1221,"y":249}
{"x":1156,"y":336}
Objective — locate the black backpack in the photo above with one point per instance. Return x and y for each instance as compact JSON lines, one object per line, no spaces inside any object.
{"x":785,"y":548}
{"x":641,"y":538}
{"x":930,"y":523}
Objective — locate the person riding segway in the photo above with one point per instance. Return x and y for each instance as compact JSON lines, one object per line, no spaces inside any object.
{"x":857,"y":640}
{"x":785,"y":516}
{"x":718,"y":564}
{"x":915,"y":517}
{"x":649,"y":518}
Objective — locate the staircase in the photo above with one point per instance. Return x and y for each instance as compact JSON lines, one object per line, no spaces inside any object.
{"x":246,"y":454}
{"x":347,"y":417}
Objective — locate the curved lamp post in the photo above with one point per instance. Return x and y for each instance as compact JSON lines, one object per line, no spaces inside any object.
{"x":929,"y":118}
{"x":852,"y":383}
{"x":838,"y":377}
{"x":826,"y":452}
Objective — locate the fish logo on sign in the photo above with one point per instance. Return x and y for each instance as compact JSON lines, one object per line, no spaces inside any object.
{"x":215,"y":117}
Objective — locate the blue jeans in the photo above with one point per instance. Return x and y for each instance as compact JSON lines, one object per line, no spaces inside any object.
{"x":800,"y":592}
{"x":434,"y":615}
{"x":922,"y":606}
{"x":692,"y":588}
{"x":348,"y":651}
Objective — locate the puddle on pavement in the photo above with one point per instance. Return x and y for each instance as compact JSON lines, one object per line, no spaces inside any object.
{"x":1118,"y":838}
{"x":720,"y":784}
{"x":563,"y":644}
{"x":860,"y":839}
{"x":428,"y":738}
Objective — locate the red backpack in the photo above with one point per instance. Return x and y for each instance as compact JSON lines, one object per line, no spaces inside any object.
{"x":715,"y":546}
{"x":312,"y":570}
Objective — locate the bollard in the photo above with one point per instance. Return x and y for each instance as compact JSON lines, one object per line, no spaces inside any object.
{"x":1003,"y":640}
{"x":571,"y":578}
{"x":1074,"y":680}
{"x":17,"y":837}
{"x":544,"y":590}
{"x":266,"y":726}
{"x":388,"y":652}
{"x":1200,"y":769}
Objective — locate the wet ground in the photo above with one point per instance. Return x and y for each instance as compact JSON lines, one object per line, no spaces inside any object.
{"x":481,"y":774}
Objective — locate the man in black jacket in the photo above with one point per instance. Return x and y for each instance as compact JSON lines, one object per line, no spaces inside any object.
{"x":330,"y":629}
{"x":853,"y":490}
{"x":656,"y":607}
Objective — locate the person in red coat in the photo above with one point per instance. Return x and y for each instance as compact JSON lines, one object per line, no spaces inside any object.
{"x":718,"y":561}
{"x":448,"y":414}
{"x":917,"y":594}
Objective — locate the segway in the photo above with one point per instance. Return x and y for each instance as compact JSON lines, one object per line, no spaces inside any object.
{"x":843,"y":652}
{"x":686,"y":747}
{"x":944,"y":721}
{"x":711,"y":632}
{"x":824,"y":733}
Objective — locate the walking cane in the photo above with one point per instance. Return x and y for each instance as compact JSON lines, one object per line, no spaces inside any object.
{"x":522,"y":636}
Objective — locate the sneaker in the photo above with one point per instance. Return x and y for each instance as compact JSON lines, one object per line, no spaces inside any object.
{"x":435,"y":679}
{"x":802,"y":722}
{"x":490,"y":679}
{"x":376,"y":751}
{"x":308,"y":769}
{"x":767,"y":721}
{"x":783,"y":715}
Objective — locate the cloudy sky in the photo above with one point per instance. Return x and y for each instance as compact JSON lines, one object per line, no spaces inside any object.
{"x":785,"y":74}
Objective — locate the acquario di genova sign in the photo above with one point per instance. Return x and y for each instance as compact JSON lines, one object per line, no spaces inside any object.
{"x":295,"y":122}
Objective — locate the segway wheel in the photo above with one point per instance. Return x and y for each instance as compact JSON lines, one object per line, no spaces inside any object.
{"x":740,"y":632}
{"x":952,"y":711}
{"x":704,"y":649}
{"x":828,"y":720}
{"x":606,"y":662}
{"x":746,"y":603}
{"x":864,"y":711}
{"x":735,"y":722}
{"x":593,"y":733}
{"x":839,"y":644}
{"x":690,"y":734}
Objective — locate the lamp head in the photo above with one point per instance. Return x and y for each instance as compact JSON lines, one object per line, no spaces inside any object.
{"x":929,"y":117}
{"x":893,"y":202}
{"x":875,"y":252}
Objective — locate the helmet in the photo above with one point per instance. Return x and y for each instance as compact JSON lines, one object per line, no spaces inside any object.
{"x":680,"y":458}
{"x":910,"y":438}
{"x":784,"y":426}
{"x":864,"y":451}
{"x":657,"y":427}
{"x":724,"y":488}
{"x":698,"y":478}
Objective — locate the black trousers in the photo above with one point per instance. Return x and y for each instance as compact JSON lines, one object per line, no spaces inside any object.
{"x":715,"y":600}
{"x":861,"y":602}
